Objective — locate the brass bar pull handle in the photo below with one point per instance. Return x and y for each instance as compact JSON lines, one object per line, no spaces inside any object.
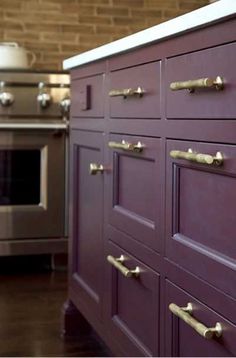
{"x":138,"y":147}
{"x":95,"y":168}
{"x":127,"y":92}
{"x":184,"y":313}
{"x":118,"y":264}
{"x":198,"y":157}
{"x":191,"y":85}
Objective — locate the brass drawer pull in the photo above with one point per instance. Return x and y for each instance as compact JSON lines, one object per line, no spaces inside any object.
{"x":127,"y":146}
{"x":118,"y":264}
{"x":198,"y":157}
{"x":184,"y":313}
{"x":127,"y":92}
{"x":191,"y":85}
{"x":95,"y":168}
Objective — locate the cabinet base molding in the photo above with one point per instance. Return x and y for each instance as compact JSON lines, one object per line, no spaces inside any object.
{"x":73,"y":322}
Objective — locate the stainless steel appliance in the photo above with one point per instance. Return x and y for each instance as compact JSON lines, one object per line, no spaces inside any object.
{"x":34,"y":112}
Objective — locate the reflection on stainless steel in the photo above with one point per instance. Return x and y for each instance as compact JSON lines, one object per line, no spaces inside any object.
{"x":44,"y":98}
{"x":65,"y":106}
{"x":34,"y":115}
{"x":48,"y":126}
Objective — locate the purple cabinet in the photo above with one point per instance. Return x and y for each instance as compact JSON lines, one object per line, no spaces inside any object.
{"x":153,"y":199}
{"x":187,"y":327}
{"x":135,"y":187}
{"x":133,"y":303}
{"x":86,"y":276}
{"x":201,"y":206}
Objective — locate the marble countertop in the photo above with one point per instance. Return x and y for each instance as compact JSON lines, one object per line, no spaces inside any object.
{"x":194,"y":19}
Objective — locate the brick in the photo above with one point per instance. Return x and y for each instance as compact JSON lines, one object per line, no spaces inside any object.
{"x":16,"y":35}
{"x":186,"y":5}
{"x":59,"y":1}
{"x":95,"y":2}
{"x":35,"y":6}
{"x":58,"y":37}
{"x":154,"y":22}
{"x":42,"y":46}
{"x":161,"y":4}
{"x":145,"y":13}
{"x":129,"y":21}
{"x":134,"y":29}
{"x":42,"y":17}
{"x":11,"y":25}
{"x":170,"y":14}
{"x":53,"y":56}
{"x":128,"y":3}
{"x":31,"y":26}
{"x":112,"y":11}
{"x":13,"y":4}
{"x":116,"y":30}
{"x":95,"y":39}
{"x":81,"y":10}
{"x":94,"y":20}
{"x":87,"y":29}
{"x":65,"y":48}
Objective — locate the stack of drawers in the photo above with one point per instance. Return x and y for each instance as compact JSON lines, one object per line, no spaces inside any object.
{"x":153,"y":196}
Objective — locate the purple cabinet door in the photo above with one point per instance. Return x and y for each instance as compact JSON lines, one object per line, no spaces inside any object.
{"x":86,"y":218}
{"x":182,"y":340}
{"x":202,"y":102}
{"x":135,"y":189}
{"x":133,"y":306}
{"x":201,"y":207}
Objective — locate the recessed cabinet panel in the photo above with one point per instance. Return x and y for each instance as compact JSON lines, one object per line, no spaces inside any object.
{"x":87,"y":97}
{"x":135,"y":92}
{"x":186,"y":339}
{"x":206,"y":98}
{"x":135,"y":192}
{"x":133,"y":305}
{"x":87,"y":216}
{"x":201,"y":207}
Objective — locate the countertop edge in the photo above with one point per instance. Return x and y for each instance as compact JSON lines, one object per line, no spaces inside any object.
{"x":194,"y":19}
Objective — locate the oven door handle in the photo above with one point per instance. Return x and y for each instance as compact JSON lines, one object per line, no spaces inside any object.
{"x":38,"y":126}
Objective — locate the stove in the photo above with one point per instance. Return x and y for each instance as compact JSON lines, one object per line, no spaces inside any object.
{"x":34,"y":115}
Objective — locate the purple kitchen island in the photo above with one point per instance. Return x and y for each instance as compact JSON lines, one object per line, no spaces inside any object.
{"x":153,"y":189}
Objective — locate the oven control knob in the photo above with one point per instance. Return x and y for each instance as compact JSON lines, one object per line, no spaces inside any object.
{"x":44,"y":98}
{"x":65,"y":106}
{"x":6,"y":98}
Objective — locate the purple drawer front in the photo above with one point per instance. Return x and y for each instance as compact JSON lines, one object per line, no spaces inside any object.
{"x":203,"y":102}
{"x":133,"y":305}
{"x":182,"y":340}
{"x":146,"y":106}
{"x":201,"y":206}
{"x":135,"y":189}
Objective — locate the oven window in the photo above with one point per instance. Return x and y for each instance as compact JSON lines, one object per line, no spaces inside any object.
{"x":20,"y":177}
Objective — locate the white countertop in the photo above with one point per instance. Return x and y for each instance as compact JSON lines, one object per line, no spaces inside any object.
{"x":191,"y":20}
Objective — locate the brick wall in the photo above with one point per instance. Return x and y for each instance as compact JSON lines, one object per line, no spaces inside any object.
{"x":57,"y":29}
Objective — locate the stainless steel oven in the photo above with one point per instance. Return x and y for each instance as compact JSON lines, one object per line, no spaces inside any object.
{"x":34,"y":110}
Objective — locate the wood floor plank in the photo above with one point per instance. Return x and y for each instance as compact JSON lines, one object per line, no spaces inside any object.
{"x":30,"y":311}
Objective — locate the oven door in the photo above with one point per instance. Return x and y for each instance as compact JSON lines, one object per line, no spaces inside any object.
{"x":32,"y":182}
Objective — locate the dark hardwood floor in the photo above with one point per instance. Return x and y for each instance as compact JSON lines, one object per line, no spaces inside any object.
{"x":31,"y":299}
